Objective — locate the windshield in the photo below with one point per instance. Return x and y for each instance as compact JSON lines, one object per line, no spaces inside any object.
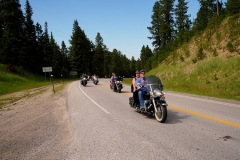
{"x":155,"y":83}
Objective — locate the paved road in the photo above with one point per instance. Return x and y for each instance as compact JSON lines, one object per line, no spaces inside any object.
{"x":106,"y":127}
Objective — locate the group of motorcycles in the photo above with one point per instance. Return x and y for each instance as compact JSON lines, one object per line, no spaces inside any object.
{"x":154,"y":100}
{"x":84,"y":79}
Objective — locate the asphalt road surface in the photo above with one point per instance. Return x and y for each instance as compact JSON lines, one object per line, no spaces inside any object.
{"x":106,"y":127}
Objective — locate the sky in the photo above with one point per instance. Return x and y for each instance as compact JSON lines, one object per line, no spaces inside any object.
{"x":121,"y":23}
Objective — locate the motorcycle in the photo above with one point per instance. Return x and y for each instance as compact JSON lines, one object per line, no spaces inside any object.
{"x":116,"y":84}
{"x":154,"y":100}
{"x":83,"y":81}
{"x":95,"y":80}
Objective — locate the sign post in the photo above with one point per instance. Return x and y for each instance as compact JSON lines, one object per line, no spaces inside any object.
{"x":47,"y":69}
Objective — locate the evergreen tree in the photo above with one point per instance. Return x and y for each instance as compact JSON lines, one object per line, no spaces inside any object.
{"x":47,"y":50}
{"x":133,"y":67}
{"x":57,"y":59}
{"x":182,"y":22}
{"x":162,"y":24}
{"x":154,"y":29}
{"x":40,"y":48}
{"x":166,"y":30}
{"x":125,"y":66}
{"x":1,"y":32}
{"x":12,"y":37}
{"x":233,"y":7}
{"x":107,"y":63}
{"x":29,"y":57}
{"x":80,"y":50}
{"x":98,"y":58}
{"x":65,"y":66}
{"x":146,"y":53}
{"x":138,"y":64}
{"x":204,"y":14}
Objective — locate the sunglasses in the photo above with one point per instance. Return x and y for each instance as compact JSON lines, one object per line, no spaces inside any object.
{"x":142,"y":73}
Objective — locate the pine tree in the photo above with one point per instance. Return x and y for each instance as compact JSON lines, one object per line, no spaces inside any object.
{"x":1,"y":32}
{"x":182,"y":22}
{"x":29,"y":58}
{"x":65,"y":66}
{"x":233,"y":7}
{"x":98,"y":57}
{"x":47,"y":50}
{"x":154,"y":29}
{"x":80,"y":50}
{"x":57,"y":58}
{"x":146,"y":54}
{"x":162,"y":24}
{"x":40,"y":49}
{"x":204,"y":14}
{"x":12,"y":37}
{"x":133,"y":66}
{"x":107,"y":63}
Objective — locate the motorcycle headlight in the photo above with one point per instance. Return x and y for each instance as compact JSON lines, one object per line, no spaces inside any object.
{"x":157,"y":92}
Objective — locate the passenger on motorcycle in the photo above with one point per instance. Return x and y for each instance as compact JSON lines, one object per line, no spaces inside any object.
{"x":134,"y":88}
{"x":141,"y":84}
{"x":112,"y":80}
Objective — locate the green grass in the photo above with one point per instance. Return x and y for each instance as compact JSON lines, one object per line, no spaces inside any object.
{"x":22,"y":80}
{"x":127,"y":81}
{"x":213,"y":77}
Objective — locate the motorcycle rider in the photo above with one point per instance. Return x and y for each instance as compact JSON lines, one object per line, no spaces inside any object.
{"x":134,"y":88}
{"x":141,"y":84}
{"x":112,"y":80}
{"x":83,"y":75}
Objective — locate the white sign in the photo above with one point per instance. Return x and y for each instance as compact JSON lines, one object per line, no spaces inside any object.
{"x":73,"y":73}
{"x":47,"y":69}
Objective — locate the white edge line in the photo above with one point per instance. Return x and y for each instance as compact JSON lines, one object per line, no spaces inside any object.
{"x":203,"y":99}
{"x":93,"y":101}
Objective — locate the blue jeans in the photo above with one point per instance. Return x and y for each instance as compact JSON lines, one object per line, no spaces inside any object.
{"x":141,"y":98}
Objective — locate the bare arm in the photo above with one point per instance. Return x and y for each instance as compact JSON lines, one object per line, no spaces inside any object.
{"x":133,"y":83}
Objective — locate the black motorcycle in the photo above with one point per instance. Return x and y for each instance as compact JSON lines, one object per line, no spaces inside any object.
{"x":83,"y":81}
{"x":95,"y":80}
{"x":116,"y":84}
{"x":154,"y":100}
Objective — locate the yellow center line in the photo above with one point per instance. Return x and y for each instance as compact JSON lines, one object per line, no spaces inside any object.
{"x":233,"y":124}
{"x":237,"y":125}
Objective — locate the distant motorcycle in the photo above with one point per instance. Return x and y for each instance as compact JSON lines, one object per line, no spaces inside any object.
{"x":83,"y":81}
{"x":154,"y":100}
{"x":116,"y":84}
{"x":95,"y":80}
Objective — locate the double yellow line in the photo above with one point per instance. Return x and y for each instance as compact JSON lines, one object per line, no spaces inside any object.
{"x":236,"y":125}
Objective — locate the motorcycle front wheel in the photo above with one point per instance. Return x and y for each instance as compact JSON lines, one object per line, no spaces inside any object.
{"x":161,"y":114}
{"x":119,"y":90}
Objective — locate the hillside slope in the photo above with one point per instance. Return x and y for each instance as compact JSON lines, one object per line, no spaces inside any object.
{"x":208,"y":65}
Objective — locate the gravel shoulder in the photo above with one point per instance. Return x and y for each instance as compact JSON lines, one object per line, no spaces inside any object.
{"x":36,"y":126}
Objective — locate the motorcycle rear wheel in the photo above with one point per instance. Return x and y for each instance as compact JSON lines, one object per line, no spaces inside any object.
{"x":161,"y":114}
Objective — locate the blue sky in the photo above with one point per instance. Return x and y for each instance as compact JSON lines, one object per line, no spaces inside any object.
{"x":121,"y":23}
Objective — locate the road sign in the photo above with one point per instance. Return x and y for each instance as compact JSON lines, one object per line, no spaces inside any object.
{"x":47,"y":69}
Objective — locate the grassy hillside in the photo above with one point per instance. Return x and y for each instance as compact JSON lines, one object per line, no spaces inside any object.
{"x":208,"y":65}
{"x":14,"y":79}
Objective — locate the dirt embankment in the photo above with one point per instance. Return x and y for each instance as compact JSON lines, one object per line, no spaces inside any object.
{"x":36,"y":127}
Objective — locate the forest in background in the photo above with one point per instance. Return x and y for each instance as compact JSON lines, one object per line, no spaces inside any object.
{"x":31,"y":47}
